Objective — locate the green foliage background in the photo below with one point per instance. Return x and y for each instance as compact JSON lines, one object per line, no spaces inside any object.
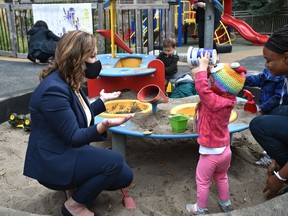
{"x":267,"y":7}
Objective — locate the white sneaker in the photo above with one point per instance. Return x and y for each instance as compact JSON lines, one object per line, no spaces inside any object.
{"x":266,"y":160}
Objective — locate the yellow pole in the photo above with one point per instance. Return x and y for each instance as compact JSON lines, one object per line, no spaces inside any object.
{"x":112,"y":21}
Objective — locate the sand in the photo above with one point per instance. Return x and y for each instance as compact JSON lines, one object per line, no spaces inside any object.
{"x":164,"y":175}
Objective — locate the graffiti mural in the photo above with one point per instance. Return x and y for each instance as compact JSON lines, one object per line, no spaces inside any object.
{"x":62,"y":18}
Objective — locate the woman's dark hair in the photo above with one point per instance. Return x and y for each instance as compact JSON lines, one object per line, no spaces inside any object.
{"x":278,"y":41}
{"x":41,"y":23}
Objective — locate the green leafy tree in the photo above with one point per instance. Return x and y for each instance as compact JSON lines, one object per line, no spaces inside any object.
{"x":272,"y":7}
{"x":264,"y":7}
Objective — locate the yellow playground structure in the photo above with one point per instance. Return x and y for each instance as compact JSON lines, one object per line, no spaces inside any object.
{"x":221,"y":34}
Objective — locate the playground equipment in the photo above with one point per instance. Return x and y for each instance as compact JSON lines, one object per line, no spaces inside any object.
{"x":221,"y":35}
{"x":156,"y":27}
{"x":223,"y":39}
{"x":119,"y":133}
{"x":127,"y":71}
{"x":124,"y":71}
{"x":188,"y":109}
{"x":117,"y":40}
{"x":242,"y":27}
{"x":188,"y":18}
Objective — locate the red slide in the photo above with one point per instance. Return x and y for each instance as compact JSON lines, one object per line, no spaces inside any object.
{"x":118,"y":40}
{"x":244,"y":30}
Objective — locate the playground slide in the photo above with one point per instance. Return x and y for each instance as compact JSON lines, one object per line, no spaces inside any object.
{"x":118,"y":40}
{"x":244,"y":30}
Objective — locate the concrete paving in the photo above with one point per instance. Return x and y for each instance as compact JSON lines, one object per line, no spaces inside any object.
{"x":19,"y":78}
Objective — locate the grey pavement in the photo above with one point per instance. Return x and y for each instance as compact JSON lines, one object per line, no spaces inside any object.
{"x":20,"y":77}
{"x":18,"y":80}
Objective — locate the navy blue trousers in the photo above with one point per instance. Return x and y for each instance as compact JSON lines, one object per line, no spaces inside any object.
{"x":271,"y":132}
{"x":96,"y":170}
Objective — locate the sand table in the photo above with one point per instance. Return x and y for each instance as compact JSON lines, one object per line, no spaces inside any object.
{"x":159,"y":122}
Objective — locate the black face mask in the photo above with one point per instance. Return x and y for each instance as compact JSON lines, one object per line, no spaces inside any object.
{"x":93,"y":69}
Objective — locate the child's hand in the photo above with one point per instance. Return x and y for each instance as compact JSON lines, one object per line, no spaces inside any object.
{"x":200,"y":4}
{"x":203,"y":64}
{"x":204,"y":61}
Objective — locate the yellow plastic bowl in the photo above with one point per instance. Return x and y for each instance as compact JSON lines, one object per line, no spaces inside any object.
{"x":188,"y":109}
{"x":120,"y":108}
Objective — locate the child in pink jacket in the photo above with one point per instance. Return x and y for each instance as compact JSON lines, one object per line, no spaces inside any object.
{"x":217,"y":88}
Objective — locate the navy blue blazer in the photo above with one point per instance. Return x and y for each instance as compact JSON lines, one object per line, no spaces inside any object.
{"x":59,"y":131}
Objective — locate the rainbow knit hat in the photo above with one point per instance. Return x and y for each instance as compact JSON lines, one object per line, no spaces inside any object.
{"x":228,"y":78}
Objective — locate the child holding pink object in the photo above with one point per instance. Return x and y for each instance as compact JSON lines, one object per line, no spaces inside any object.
{"x":217,"y":88}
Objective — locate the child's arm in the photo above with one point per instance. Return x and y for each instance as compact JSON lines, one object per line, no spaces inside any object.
{"x":273,"y":101}
{"x":254,"y":80}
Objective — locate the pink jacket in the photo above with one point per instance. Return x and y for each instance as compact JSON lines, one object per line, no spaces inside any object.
{"x":213,"y":114}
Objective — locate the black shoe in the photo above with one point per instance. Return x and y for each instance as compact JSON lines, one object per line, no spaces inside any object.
{"x":44,"y":62}
{"x":281,"y":192}
{"x":31,"y":58}
{"x":65,"y":211}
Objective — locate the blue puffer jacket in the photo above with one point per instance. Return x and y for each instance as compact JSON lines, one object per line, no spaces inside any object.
{"x":271,"y":89}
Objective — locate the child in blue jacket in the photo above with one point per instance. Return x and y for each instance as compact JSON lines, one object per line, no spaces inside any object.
{"x":273,"y":93}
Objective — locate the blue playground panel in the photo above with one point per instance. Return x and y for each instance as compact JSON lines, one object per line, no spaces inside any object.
{"x":108,"y":63}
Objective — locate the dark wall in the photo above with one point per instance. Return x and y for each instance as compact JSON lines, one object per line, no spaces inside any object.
{"x":18,"y":104}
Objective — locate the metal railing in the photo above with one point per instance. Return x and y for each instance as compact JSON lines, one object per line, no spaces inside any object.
{"x":18,"y":19}
{"x":263,"y":24}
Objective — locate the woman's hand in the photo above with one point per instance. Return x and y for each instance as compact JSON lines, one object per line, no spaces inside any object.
{"x":108,"y":96}
{"x":273,"y":184}
{"x":107,"y":123}
{"x":116,"y":121}
{"x":272,"y":167}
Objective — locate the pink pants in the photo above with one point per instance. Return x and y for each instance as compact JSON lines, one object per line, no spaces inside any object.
{"x":215,"y":166}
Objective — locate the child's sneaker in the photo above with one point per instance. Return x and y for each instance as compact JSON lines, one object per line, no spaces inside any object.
{"x":265,"y":160}
{"x":195,"y":209}
{"x":225,"y":206}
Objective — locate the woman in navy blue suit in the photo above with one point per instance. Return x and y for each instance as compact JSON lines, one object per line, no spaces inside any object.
{"x":59,"y":155}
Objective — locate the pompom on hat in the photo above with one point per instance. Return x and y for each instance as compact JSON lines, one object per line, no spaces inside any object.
{"x":228,"y":78}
